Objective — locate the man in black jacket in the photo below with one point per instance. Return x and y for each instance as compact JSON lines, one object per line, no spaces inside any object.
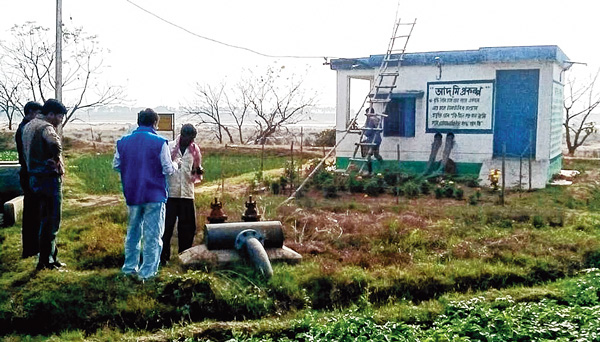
{"x":43,"y":154}
{"x":30,"y":229}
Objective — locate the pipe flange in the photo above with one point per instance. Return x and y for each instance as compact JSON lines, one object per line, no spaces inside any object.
{"x":244,"y":235}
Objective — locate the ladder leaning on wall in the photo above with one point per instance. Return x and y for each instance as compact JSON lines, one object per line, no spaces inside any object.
{"x":380,"y":96}
{"x":378,"y":90}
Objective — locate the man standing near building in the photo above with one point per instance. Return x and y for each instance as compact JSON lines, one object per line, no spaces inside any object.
{"x":30,"y":229}
{"x":144,"y":160}
{"x":180,"y":204}
{"x":372,"y":138}
{"x":43,"y":155}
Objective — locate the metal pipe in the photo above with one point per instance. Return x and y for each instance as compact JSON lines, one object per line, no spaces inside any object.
{"x":250,"y":243}
{"x":223,"y":235}
{"x":258,"y":256}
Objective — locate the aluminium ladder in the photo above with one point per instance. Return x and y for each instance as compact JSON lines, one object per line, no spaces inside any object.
{"x":380,"y":95}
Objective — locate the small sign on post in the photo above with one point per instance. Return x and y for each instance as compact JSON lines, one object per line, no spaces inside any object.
{"x":166,"y":122}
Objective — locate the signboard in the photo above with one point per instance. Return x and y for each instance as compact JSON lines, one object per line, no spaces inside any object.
{"x":461,"y":106}
{"x":166,"y":122}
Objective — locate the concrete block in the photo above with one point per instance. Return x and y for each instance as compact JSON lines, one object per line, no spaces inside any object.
{"x":12,"y":210}
{"x":202,"y":255}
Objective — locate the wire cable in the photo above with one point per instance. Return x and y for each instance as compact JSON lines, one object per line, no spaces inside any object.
{"x":220,"y":42}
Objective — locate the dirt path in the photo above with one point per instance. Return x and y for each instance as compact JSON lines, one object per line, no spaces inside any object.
{"x":95,"y":200}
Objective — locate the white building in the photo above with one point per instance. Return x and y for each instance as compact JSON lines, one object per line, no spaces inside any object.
{"x":495,"y":101}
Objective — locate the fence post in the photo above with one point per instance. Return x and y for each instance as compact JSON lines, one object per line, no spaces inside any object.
{"x":503,"y":173}
{"x":262,"y":157}
{"x":530,"y":155}
{"x":398,"y":174}
{"x":291,"y":166}
{"x":520,"y":175}
{"x":221,"y":167}
{"x":301,"y":156}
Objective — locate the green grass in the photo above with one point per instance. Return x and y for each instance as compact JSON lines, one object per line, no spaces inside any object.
{"x":9,"y":156}
{"x":93,"y":174}
{"x":233,"y":164}
{"x":416,"y":270}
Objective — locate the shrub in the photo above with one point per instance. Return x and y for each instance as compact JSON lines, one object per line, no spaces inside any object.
{"x":356,"y":183}
{"x":411,"y":189}
{"x":472,"y":181}
{"x":283,"y":182}
{"x":537,"y":221}
{"x":321,"y":177}
{"x":439,"y":192}
{"x":425,"y":187}
{"x":393,"y":176}
{"x":375,"y":186}
{"x":325,"y":138}
{"x":330,"y":189}
{"x":447,"y":189}
{"x":275,"y":188}
{"x":458,"y":193}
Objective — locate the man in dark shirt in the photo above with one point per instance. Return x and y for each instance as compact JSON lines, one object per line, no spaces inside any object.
{"x":43,"y":154}
{"x":31,"y":204}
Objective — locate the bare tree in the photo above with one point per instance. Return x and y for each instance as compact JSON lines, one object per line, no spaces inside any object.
{"x":277,"y":100}
{"x":238,"y":105}
{"x":580,"y":103}
{"x":30,"y":55}
{"x":11,"y":98}
{"x":272,"y":100}
{"x":208,"y":109}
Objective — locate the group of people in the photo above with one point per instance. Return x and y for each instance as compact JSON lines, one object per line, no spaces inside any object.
{"x":158,"y":183}
{"x":157,"y":176}
{"x":40,"y":155}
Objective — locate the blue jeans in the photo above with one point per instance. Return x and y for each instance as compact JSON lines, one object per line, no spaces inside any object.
{"x":48,"y":189}
{"x":144,"y":233}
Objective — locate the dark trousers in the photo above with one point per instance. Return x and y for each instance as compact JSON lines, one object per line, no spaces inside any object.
{"x":49,"y":191}
{"x":181,"y":209}
{"x":30,"y":230}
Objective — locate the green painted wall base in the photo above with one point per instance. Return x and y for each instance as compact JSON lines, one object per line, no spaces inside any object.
{"x":555,"y":166}
{"x":411,"y":166}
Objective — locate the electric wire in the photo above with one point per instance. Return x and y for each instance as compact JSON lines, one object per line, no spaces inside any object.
{"x":223,"y":43}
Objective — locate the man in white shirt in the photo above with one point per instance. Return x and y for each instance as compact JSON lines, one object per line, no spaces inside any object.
{"x":180,"y":203}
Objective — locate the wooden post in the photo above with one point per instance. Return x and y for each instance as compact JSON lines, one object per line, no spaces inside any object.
{"x":292,"y":166}
{"x":222,"y":178}
{"x":530,"y":156}
{"x":520,"y":175}
{"x":398,"y":175}
{"x":503,"y":173}
{"x":301,"y":156}
{"x":262,"y":157}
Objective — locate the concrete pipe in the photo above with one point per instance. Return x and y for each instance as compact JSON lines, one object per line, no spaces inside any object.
{"x":223,"y":235}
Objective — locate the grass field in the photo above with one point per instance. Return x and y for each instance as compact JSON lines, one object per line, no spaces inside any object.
{"x":96,"y":176}
{"x":375,"y":267}
{"x":8,"y":156}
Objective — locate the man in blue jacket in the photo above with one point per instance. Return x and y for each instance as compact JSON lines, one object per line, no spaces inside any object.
{"x":144,"y":161}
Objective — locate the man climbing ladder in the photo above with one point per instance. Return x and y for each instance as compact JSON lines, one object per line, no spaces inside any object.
{"x":379,"y":98}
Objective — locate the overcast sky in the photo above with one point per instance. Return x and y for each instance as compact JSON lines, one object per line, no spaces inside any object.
{"x":159,"y":63}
